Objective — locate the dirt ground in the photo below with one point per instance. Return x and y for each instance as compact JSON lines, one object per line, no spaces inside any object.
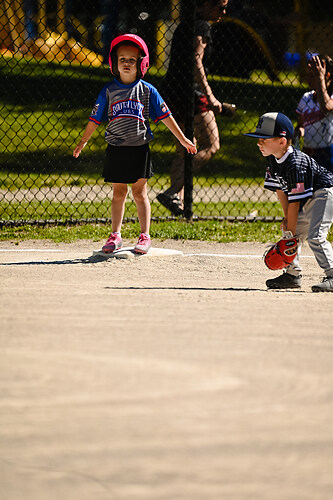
{"x":173,"y":378}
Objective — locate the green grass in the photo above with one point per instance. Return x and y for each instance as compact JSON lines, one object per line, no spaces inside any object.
{"x":223,"y":231}
{"x":102,"y":209}
{"x":44,"y":109}
{"x":41,"y":142}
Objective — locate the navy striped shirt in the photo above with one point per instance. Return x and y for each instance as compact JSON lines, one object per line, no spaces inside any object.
{"x":297,"y":174}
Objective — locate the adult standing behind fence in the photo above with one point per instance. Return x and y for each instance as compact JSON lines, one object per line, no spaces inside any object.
{"x":315,"y":112}
{"x":206,"y":105}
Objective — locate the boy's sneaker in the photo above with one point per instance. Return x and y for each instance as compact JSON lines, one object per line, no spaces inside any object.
{"x":172,"y":203}
{"x":325,"y":286}
{"x":113,"y":243}
{"x":143,"y":244}
{"x":284,"y":281}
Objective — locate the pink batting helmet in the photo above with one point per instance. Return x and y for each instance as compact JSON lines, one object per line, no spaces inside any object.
{"x":143,"y":62}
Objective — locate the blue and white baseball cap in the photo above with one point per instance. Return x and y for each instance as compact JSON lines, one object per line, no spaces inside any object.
{"x":273,"y":125}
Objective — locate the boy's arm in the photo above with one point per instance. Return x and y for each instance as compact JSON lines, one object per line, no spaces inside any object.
{"x":293,"y":210}
{"x":290,"y":211}
{"x":173,"y":126}
{"x":283,"y":198}
{"x":89,"y":130}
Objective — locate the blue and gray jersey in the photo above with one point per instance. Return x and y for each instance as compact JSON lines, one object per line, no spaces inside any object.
{"x":127,"y":108}
{"x":297,"y":174}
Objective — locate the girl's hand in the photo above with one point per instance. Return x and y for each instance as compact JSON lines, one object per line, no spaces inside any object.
{"x":215,"y":105}
{"x":78,"y":149}
{"x":189,"y":146}
{"x":318,"y":67}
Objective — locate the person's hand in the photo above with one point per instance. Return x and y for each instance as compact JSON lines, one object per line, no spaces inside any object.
{"x":299,"y":132}
{"x":189,"y":146}
{"x":215,"y":105}
{"x":78,"y":149}
{"x":284,"y":225}
{"x":229,"y":110}
{"x":318,"y":67}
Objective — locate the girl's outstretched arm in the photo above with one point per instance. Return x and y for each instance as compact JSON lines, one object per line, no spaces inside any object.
{"x":173,"y":126}
{"x":90,"y":128}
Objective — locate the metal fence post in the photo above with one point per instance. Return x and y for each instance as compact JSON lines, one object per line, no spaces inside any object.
{"x":188,"y":16}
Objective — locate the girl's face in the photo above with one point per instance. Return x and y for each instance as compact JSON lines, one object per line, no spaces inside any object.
{"x":274,"y":146}
{"x":127,"y":63}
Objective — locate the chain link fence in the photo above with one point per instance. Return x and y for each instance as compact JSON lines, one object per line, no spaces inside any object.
{"x":54,"y":63}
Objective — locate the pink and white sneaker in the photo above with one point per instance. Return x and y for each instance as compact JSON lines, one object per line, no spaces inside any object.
{"x":143,"y":244}
{"x":113,"y":243}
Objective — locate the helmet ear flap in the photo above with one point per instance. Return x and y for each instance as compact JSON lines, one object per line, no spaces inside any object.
{"x":139,"y":67}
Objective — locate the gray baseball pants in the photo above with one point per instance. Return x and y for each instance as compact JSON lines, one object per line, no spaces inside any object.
{"x":314,"y":222}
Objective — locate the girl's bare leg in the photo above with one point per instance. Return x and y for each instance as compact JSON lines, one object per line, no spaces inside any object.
{"x":118,"y":205}
{"x":140,"y":195}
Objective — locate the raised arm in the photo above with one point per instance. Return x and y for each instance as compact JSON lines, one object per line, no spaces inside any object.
{"x":318,"y":68}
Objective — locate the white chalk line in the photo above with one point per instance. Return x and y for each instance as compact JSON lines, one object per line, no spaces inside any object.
{"x":235,"y":256}
{"x":29,"y":250}
{"x":222,"y":255}
{"x":228,"y":255}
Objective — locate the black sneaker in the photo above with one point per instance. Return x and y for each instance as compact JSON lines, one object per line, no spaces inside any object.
{"x":284,"y":281}
{"x":325,"y":286}
{"x":172,"y":203}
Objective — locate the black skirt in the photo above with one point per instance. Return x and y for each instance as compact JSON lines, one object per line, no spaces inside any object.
{"x":127,"y":164}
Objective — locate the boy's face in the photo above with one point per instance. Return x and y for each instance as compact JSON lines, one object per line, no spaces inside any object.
{"x":127,"y":63}
{"x":275,"y":146}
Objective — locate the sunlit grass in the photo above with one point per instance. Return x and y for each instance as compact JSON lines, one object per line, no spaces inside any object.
{"x":219,"y":231}
{"x":62,"y":211}
{"x":45,"y":108}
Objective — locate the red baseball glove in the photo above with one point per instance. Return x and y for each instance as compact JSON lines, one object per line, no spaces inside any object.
{"x":281,"y":254}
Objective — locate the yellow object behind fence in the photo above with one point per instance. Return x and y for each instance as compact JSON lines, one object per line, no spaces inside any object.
{"x":52,"y":46}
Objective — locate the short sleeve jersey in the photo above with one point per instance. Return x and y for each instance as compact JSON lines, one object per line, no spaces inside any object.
{"x":297,"y":174}
{"x":128,"y":108}
{"x":318,"y":126}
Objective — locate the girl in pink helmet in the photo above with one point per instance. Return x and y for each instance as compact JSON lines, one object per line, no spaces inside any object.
{"x":127,"y":104}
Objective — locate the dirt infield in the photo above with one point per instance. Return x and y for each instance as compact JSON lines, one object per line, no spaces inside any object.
{"x":175,"y":378}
